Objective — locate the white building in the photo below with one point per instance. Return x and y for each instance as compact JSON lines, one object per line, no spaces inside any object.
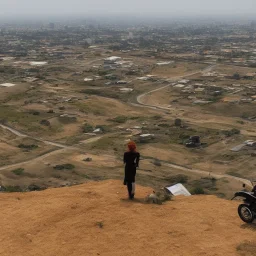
{"x":112,"y":60}
{"x":7,"y":85}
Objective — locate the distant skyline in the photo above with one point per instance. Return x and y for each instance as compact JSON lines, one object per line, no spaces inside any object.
{"x":17,"y":8}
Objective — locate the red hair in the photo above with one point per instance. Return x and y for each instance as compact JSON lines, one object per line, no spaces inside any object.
{"x":131,"y":146}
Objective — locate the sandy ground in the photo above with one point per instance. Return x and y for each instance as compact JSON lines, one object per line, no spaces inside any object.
{"x":97,"y":219}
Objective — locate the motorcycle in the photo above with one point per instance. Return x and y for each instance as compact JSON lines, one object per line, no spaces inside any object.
{"x":247,"y":210}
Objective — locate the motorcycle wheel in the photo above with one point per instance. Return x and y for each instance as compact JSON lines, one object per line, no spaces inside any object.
{"x":245,"y":213}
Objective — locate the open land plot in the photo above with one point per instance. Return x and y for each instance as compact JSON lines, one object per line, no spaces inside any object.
{"x":177,"y":69}
{"x":231,"y":70}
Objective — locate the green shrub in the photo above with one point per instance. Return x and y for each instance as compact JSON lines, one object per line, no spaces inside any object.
{"x":109,"y":94}
{"x":34,"y":187}
{"x":180,"y":178}
{"x":197,"y":191}
{"x":104,"y":128}
{"x":56,"y":176}
{"x":18,"y":171}
{"x":45,"y":122}
{"x":102,"y":72}
{"x":35,"y":113}
{"x":30,"y":147}
{"x":157,"y":117}
{"x":87,"y":128}
{"x":12,"y":189}
{"x":164,"y":125}
{"x":119,"y":119}
{"x":100,"y":224}
{"x":157,"y":162}
{"x":235,"y":131}
{"x":64,"y":167}
{"x":177,"y":122}
{"x":245,"y":115}
{"x":184,"y":136}
{"x":236,"y":76}
{"x":231,"y":132}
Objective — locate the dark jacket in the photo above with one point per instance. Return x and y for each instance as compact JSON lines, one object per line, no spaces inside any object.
{"x":131,"y":160}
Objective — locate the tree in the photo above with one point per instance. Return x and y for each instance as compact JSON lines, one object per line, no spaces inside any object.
{"x":236,"y":76}
{"x":177,"y":122}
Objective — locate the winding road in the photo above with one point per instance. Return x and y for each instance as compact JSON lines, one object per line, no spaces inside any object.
{"x":21,"y":134}
{"x":174,"y":79}
{"x":204,"y":173}
{"x":61,"y":147}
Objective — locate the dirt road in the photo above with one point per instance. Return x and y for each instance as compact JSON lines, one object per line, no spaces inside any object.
{"x":204,"y":173}
{"x":62,"y":147}
{"x":174,"y":79}
{"x":21,"y":134}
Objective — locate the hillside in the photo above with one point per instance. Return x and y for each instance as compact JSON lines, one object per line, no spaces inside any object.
{"x":97,"y":219}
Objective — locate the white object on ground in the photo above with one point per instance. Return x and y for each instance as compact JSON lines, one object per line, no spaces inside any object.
{"x":7,"y":58}
{"x":146,"y":135}
{"x":7,"y":85}
{"x":179,"y":85}
{"x":178,"y":190}
{"x":164,"y":63}
{"x":238,"y":148}
{"x":37,"y":63}
{"x":113,"y":58}
{"x":88,"y":79}
{"x":126,"y":89}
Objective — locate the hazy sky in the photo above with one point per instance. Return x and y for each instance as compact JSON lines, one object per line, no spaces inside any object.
{"x":175,"y":7}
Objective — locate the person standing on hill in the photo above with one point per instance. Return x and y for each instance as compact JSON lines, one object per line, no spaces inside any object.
{"x":131,"y":161}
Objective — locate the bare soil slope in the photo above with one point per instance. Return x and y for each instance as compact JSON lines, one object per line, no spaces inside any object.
{"x":97,"y":219}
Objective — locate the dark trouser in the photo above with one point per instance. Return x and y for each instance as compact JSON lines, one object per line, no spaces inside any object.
{"x":129,"y":179}
{"x":131,"y":189}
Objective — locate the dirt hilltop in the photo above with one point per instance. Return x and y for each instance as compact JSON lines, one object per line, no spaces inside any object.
{"x":97,"y":219}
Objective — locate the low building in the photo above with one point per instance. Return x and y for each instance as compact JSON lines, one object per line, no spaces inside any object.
{"x":126,"y":89}
{"x":112,"y":60}
{"x":88,"y":79}
{"x":250,"y":75}
{"x":38,"y":63}
{"x":164,"y":63}
{"x":146,"y":137}
{"x":122,"y":82}
{"x":7,"y":85}
{"x":179,"y":86}
{"x":183,"y":81}
{"x":250,"y":143}
{"x":202,"y":102}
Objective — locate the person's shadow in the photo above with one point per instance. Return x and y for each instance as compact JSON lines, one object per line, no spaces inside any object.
{"x":134,"y":200}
